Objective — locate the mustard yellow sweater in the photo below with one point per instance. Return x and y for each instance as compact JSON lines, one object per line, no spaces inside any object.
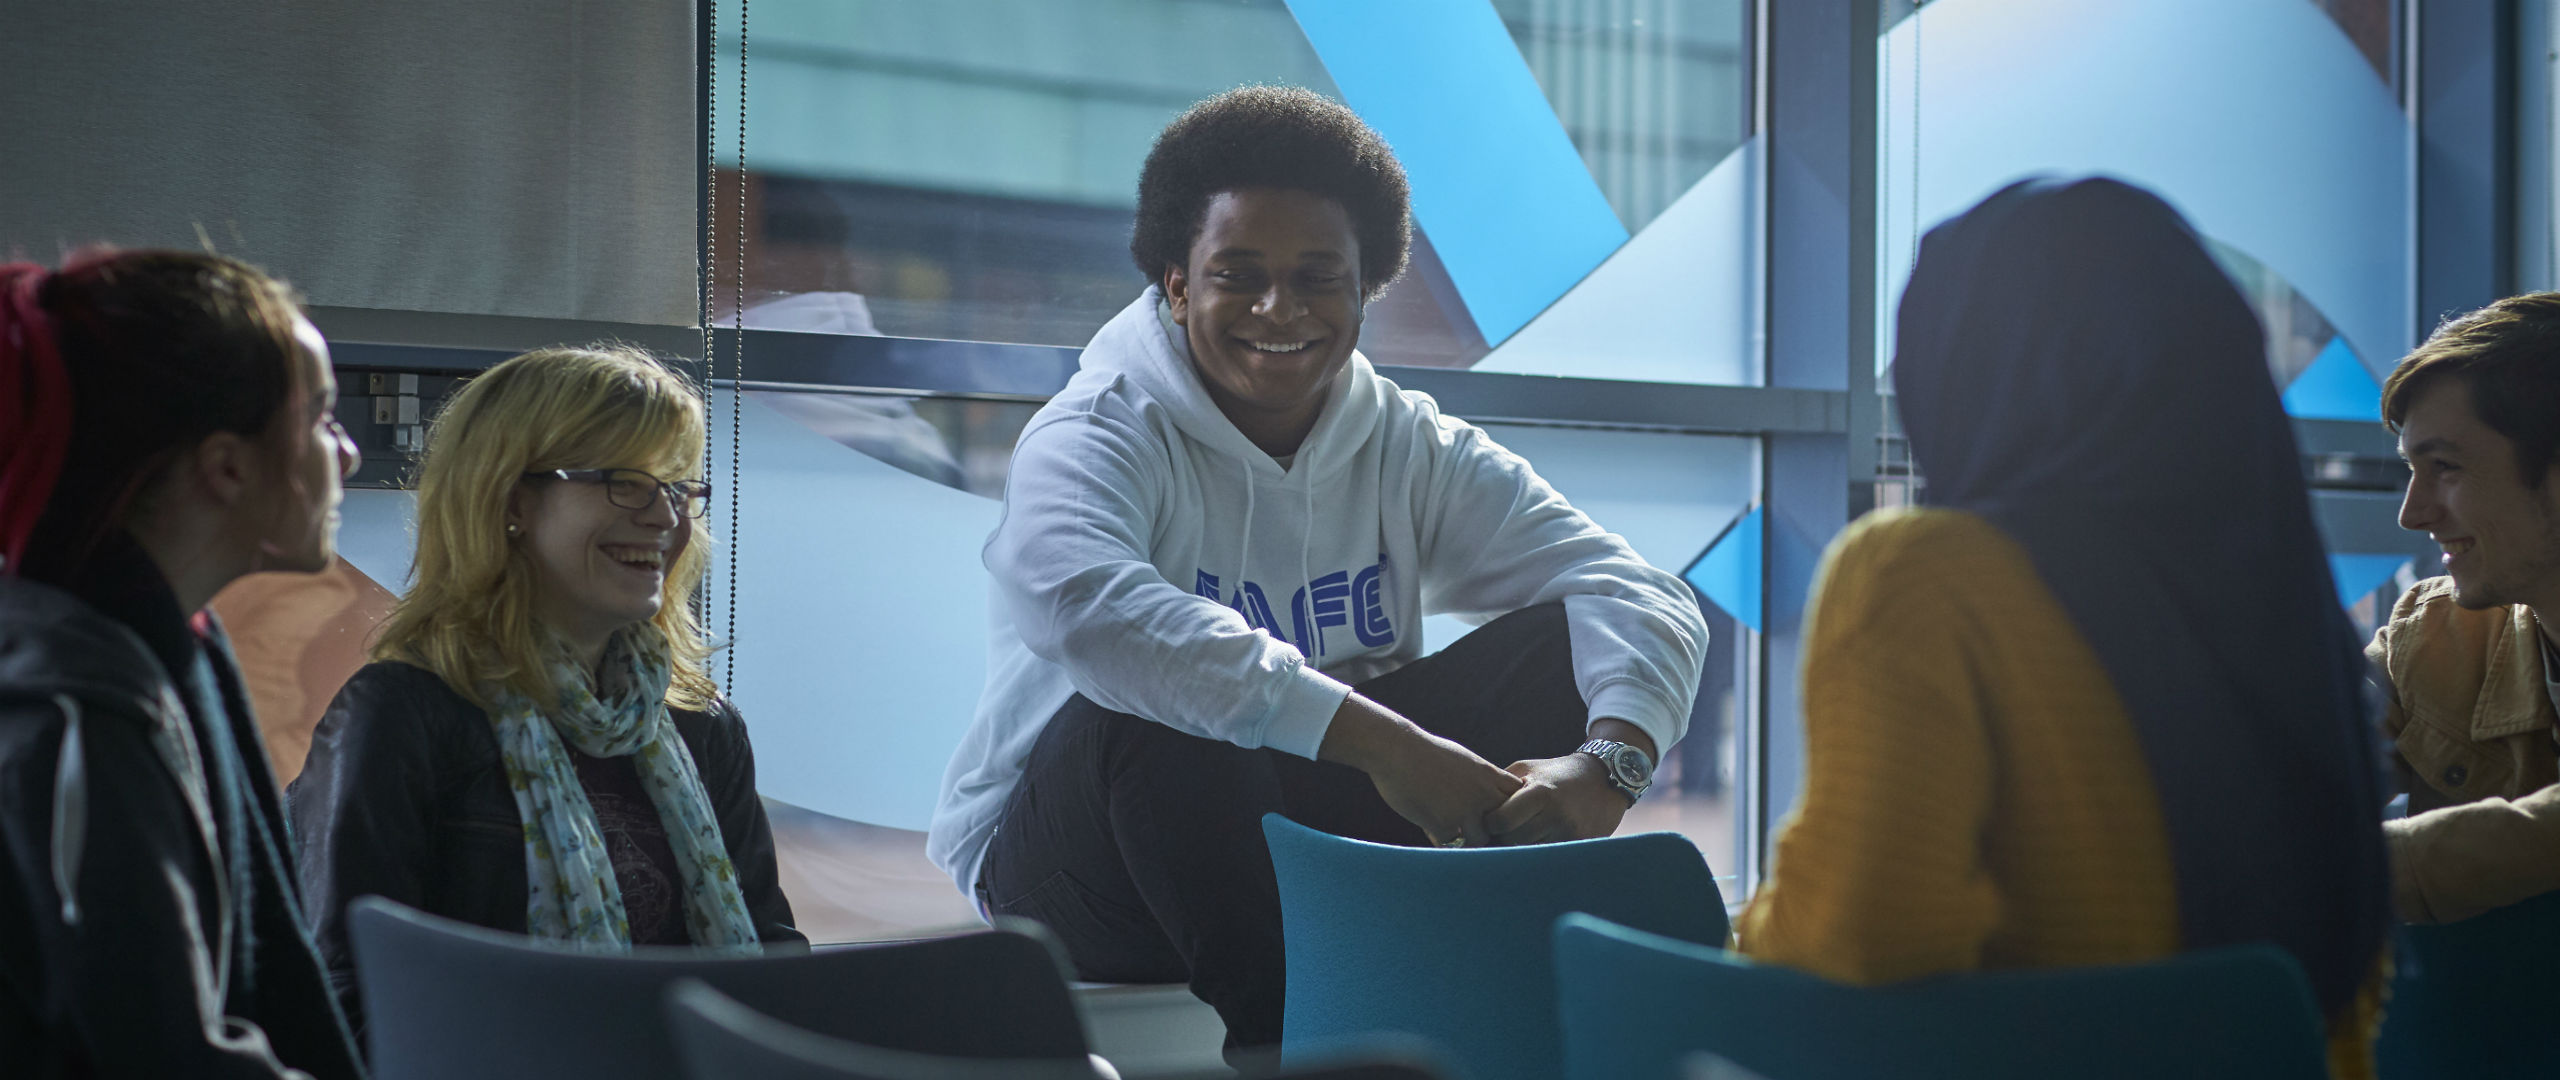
{"x":1975,"y":796}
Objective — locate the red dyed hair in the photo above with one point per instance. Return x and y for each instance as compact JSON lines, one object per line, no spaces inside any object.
{"x":110,"y":369}
{"x":35,"y":410}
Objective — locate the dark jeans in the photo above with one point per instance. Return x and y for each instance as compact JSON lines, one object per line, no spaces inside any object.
{"x":1141,"y":846}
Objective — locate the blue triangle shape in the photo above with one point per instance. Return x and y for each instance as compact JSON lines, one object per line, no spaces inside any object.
{"x":1729,"y":572}
{"x":2358,"y":575}
{"x":2335,"y":387}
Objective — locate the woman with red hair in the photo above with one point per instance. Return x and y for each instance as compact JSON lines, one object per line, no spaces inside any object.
{"x":166,"y":426}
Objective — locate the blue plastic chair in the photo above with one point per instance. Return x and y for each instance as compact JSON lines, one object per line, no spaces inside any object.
{"x":1636,"y":1006}
{"x":1452,"y":945}
{"x":2477,"y":999}
{"x":447,"y":999}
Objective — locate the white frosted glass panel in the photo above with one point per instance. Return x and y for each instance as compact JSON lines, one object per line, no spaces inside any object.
{"x":862,"y":601}
{"x":862,"y":616}
{"x":502,"y":157}
{"x":1680,"y":302}
{"x":378,"y":533}
{"x":2258,"y":119}
{"x":1668,"y":495}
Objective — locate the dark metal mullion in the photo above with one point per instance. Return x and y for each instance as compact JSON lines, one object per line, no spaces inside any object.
{"x":2464,"y":93}
{"x":1820,"y":84}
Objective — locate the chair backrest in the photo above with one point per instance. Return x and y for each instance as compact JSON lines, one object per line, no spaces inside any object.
{"x":2477,"y":999}
{"x":445,"y":999}
{"x":1637,"y":1005}
{"x":1380,"y":1070}
{"x":1452,"y":945}
{"x":1706,"y":1066}
{"x":721,"y":1039}
{"x":1386,"y":1056}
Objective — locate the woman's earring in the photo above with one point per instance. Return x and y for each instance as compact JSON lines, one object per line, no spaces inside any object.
{"x":514,"y":530}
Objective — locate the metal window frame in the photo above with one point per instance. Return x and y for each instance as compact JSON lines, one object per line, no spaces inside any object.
{"x":926,"y":367}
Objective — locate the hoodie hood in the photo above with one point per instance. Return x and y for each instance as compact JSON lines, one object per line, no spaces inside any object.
{"x":52,"y":643}
{"x":1143,"y":346}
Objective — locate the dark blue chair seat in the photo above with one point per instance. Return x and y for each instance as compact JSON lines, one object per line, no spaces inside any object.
{"x":1452,"y":945}
{"x":724,"y":1040}
{"x":2477,"y":999}
{"x":445,"y":999}
{"x":1637,"y":1005}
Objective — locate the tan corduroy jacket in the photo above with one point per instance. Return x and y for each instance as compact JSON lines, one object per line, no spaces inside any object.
{"x":2474,"y":730}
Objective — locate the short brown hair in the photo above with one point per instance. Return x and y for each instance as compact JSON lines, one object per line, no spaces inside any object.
{"x":2508,"y":353}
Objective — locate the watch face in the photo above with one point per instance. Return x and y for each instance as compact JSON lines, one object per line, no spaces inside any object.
{"x":1630,"y":770}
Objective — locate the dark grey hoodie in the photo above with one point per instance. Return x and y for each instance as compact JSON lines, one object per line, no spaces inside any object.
{"x":149,"y":922}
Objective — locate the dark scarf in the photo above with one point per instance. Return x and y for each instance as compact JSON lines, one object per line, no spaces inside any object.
{"x":2073,"y":367}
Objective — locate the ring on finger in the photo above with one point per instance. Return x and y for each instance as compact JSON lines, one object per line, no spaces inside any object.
{"x":1454,"y":842}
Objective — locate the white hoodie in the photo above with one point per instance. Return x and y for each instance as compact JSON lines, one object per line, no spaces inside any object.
{"x":1153,"y":559}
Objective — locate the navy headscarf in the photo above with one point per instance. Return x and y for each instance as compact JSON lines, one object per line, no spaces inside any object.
{"x":2074,"y":368}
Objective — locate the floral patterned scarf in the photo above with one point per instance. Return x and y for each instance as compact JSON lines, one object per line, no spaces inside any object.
{"x":574,"y":896}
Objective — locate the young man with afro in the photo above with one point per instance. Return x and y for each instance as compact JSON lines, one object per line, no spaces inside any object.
{"x":1218,"y":546}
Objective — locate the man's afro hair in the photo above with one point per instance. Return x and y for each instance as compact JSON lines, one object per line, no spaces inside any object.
{"x":1272,"y":137}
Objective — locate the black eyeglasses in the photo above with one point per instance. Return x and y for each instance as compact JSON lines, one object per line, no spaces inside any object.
{"x":632,"y":489}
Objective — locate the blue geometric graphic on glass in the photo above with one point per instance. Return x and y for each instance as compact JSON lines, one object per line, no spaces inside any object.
{"x":2260,"y":121}
{"x":2335,"y":387}
{"x":1729,"y":571}
{"x":1511,"y":207}
{"x":2358,"y":575}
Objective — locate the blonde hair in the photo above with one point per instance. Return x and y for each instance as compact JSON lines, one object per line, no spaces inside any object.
{"x":469,"y":614}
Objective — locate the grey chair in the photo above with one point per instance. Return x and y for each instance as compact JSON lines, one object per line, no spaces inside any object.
{"x":446,"y":999}
{"x":724,"y":1040}
{"x":721,"y":1039}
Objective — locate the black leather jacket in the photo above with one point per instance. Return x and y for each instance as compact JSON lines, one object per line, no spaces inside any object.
{"x":405,"y":796}
{"x":143,"y":933}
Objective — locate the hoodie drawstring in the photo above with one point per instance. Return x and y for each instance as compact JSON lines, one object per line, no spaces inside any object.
{"x":1244,"y":541}
{"x":1306,"y":582}
{"x":70,"y":810}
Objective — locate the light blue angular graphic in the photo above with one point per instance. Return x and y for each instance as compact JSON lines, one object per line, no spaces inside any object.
{"x":1679,"y":303}
{"x":2335,"y":387}
{"x":1729,"y":573}
{"x":1510,"y":206}
{"x":2358,"y":575}
{"x":2260,"y":121}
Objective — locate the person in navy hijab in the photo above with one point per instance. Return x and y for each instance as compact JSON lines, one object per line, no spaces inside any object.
{"x":2095,"y":702}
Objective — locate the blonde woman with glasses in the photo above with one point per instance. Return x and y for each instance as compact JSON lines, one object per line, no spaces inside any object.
{"x":536,"y":747}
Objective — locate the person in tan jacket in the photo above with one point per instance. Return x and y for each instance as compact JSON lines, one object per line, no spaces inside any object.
{"x":2473,"y":658}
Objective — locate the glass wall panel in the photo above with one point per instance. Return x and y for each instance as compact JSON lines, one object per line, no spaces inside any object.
{"x":862,"y":610}
{"x":2536,"y":53}
{"x":2266,"y":123}
{"x":1674,"y":498}
{"x":2277,"y":127}
{"x":1584,"y":193}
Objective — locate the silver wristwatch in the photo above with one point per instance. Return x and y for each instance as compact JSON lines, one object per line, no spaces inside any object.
{"x":1629,"y":770}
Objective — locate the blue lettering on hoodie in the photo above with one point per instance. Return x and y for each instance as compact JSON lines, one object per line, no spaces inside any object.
{"x":1367,"y":601}
{"x":1342,"y":598}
